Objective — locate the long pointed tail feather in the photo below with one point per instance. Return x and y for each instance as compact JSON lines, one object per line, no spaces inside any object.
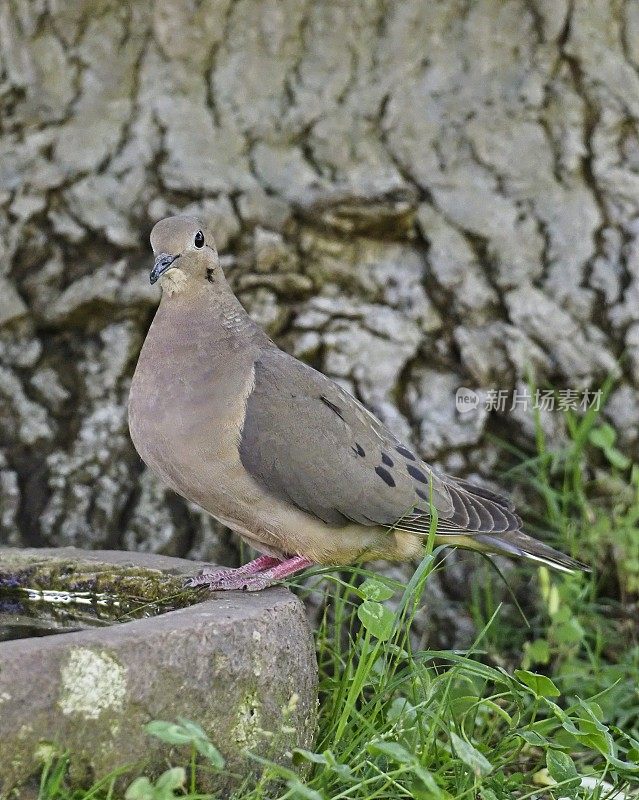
{"x":519,"y":545}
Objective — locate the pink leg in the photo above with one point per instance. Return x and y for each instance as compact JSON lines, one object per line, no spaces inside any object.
{"x":255,"y":580}
{"x":277,"y":573}
{"x":208,"y":577}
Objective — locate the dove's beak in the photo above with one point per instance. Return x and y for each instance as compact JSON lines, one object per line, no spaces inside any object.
{"x":162,"y":263}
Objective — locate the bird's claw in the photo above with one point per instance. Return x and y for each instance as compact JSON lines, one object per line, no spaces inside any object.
{"x":206,"y":577}
{"x":228,"y":580}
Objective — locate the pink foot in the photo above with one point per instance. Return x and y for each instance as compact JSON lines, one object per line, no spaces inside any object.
{"x":209,"y":577}
{"x":252,"y":577}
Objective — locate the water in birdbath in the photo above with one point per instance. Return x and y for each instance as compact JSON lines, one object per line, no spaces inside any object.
{"x":54,"y":597}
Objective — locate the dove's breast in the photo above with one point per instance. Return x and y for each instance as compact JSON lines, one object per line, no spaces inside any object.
{"x":186,"y":410}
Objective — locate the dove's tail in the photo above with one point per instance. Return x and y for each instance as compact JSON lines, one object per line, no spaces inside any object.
{"x":519,"y":545}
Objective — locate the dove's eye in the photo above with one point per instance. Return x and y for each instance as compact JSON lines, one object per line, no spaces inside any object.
{"x":199,"y":239}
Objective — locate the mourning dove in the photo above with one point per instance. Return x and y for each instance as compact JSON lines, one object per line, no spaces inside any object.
{"x":277,"y":451}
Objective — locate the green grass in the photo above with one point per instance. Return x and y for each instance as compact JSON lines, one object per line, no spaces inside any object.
{"x":533,"y":708}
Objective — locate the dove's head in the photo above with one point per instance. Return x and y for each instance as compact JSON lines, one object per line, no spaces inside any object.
{"x":185,"y":254}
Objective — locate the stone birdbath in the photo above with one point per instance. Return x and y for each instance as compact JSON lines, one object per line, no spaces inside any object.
{"x":85,"y":683}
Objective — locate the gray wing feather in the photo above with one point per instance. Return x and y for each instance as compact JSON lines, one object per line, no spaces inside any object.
{"x":309,"y":442}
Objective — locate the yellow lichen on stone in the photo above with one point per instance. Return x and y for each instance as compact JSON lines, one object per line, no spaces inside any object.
{"x":91,"y":683}
{"x":46,"y":752}
{"x":247,"y":728}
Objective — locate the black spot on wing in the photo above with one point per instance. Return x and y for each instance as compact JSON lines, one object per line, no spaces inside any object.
{"x":386,"y":459}
{"x":359,"y":450}
{"x":336,"y":409}
{"x":416,"y":473}
{"x":421,"y":494}
{"x":404,"y":451}
{"x":385,"y":475}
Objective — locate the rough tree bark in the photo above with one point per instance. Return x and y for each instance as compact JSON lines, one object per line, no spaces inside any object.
{"x":413,"y":196}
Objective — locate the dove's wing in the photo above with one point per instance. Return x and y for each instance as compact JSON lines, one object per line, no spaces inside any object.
{"x":310,"y":443}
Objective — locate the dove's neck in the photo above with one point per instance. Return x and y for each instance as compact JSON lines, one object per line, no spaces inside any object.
{"x":208,"y":311}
